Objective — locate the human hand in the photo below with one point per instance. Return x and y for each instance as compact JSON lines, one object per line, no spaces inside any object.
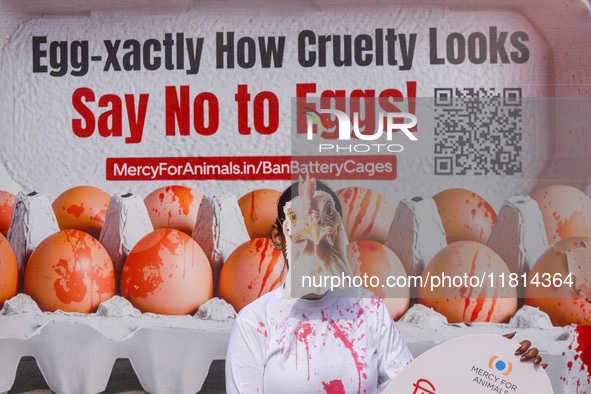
{"x":526,"y":351}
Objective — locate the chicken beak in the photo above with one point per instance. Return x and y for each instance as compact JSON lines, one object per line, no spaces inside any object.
{"x":313,"y":232}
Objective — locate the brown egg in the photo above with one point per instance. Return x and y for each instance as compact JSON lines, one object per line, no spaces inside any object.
{"x":456,"y":293}
{"x":168,"y":273}
{"x":366,"y":214}
{"x":372,"y":259}
{"x":82,"y":208}
{"x":566,"y":211}
{"x":547,"y":286}
{"x":6,"y":208}
{"x":8,"y":271}
{"x":253,"y":269}
{"x":259,"y":209}
{"x":465,"y":215}
{"x":174,"y":207}
{"x":70,"y":270}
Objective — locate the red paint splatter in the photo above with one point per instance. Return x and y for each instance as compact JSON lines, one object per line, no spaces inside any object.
{"x":144,"y":268}
{"x":302,"y":332}
{"x":583,"y":348}
{"x":69,"y":287}
{"x":334,"y":387}
{"x":101,"y":275}
{"x":270,"y":267}
{"x":464,"y":289}
{"x":76,"y":210}
{"x":350,"y":197}
{"x":184,"y":196}
{"x":494,"y":303}
{"x":363,"y":206}
{"x":262,"y":329}
{"x":348,"y":343}
{"x":479,"y":305}
{"x":100,"y":217}
{"x":488,"y":212}
{"x":260,"y":244}
{"x":83,"y":264}
{"x":377,"y":301}
{"x":253,"y":208}
{"x":345,"y":195}
{"x":575,"y":225}
{"x":373,"y":217}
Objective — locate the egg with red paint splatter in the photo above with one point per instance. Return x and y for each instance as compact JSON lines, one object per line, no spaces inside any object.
{"x":82,"y":208}
{"x":465,"y":215}
{"x":259,"y":209}
{"x":253,"y":269}
{"x":174,"y":207}
{"x":168,"y":273}
{"x":549,"y":284}
{"x":457,"y":284}
{"x":566,"y":211}
{"x":366,"y":214}
{"x":376,"y":263}
{"x":70,"y":270}
{"x":6,"y":208}
{"x":8,"y":271}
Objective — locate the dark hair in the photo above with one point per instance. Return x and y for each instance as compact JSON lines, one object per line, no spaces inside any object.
{"x":292,"y":192}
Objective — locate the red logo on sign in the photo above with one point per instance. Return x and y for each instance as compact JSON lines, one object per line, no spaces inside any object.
{"x":418,"y":386}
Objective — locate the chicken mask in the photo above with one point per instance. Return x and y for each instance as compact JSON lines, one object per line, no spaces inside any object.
{"x":315,"y":241}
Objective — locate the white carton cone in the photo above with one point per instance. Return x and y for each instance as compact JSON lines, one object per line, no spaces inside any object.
{"x":10,"y":356}
{"x":519,"y":236}
{"x":219,"y":230}
{"x":126,"y":222}
{"x":74,"y":357}
{"x":174,"y":360}
{"x":33,"y":220}
{"x":204,"y":231}
{"x":416,"y":234}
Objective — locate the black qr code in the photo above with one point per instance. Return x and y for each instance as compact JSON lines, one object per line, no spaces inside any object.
{"x":478,"y":131}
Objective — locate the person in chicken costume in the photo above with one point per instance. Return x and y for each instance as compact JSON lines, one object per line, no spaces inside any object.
{"x":311,"y":233}
{"x":298,"y":339}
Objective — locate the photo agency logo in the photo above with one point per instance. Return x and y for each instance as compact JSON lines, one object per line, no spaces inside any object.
{"x":356,"y":126}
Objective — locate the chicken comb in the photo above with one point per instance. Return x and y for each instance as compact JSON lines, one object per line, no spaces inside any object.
{"x":306,"y":189}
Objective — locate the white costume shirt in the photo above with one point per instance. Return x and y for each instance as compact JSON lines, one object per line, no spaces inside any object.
{"x":330,"y":345}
